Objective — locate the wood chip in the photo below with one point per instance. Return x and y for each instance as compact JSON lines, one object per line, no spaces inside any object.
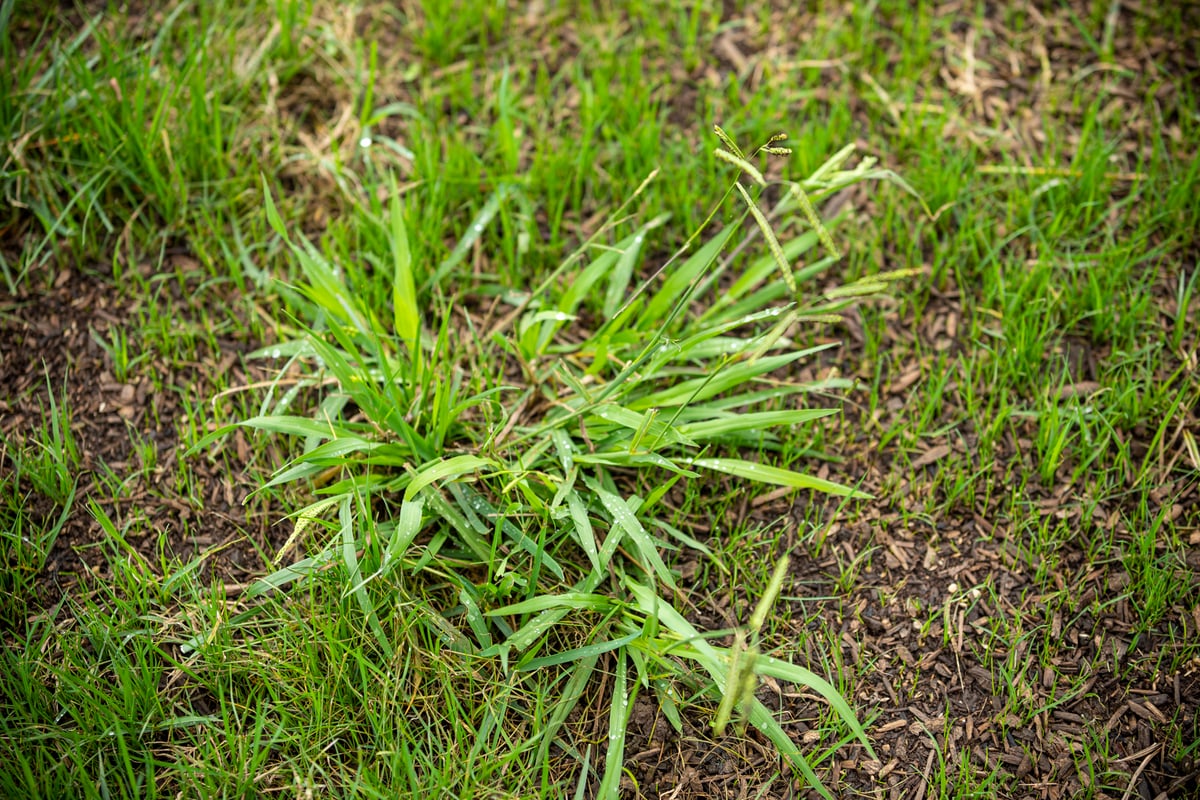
{"x":931,"y":455}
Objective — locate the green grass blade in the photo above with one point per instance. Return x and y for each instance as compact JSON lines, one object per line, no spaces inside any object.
{"x":466,"y":532}
{"x":700,"y":389}
{"x":655,"y":429}
{"x":622,"y":272}
{"x":587,"y":651}
{"x":294,"y":426}
{"x":404,"y":290}
{"x":581,"y":286}
{"x":583,"y":529}
{"x":446,"y":468}
{"x":775,"y":668}
{"x":273,"y":217}
{"x":761,"y":718}
{"x":759,"y":421}
{"x":468,"y":239}
{"x":618,"y":723}
{"x":350,"y":558}
{"x":289,"y":574}
{"x":626,"y":521}
{"x":408,"y":525}
{"x":627,"y":460}
{"x":481,"y":508}
{"x":764,"y":473}
{"x":572,"y":692}
{"x":570,"y":600}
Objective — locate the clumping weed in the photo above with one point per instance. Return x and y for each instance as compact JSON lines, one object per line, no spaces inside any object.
{"x":521,"y":458}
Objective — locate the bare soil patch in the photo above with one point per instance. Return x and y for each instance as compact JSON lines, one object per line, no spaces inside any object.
{"x":49,"y":341}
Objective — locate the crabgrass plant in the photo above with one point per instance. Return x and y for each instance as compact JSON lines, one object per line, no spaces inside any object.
{"x":502,"y":459}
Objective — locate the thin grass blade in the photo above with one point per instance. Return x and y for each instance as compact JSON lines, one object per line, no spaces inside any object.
{"x":618,"y":718}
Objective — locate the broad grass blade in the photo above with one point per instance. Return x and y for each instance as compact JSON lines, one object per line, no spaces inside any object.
{"x":571,"y":693}
{"x":293,"y":572}
{"x":446,"y":468}
{"x":644,"y":543}
{"x":758,"y":421}
{"x":583,"y":529}
{"x":765,"y":473}
{"x":775,"y":668}
{"x":591,"y":650}
{"x":404,"y":290}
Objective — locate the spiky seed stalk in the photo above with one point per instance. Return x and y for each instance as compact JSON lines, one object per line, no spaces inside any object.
{"x":728,"y":142}
{"x":810,"y":214}
{"x":772,"y":242}
{"x":742,"y":164}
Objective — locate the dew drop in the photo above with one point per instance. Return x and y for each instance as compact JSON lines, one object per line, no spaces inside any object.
{"x":275,"y":353}
{"x":478,"y":227}
{"x":365,"y":142}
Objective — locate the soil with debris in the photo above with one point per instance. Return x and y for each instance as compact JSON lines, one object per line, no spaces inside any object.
{"x":50,"y":342}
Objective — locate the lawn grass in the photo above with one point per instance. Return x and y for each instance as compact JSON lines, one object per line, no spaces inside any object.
{"x":424,"y":222}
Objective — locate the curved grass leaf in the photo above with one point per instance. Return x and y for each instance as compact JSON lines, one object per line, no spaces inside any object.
{"x":588,"y":651}
{"x":646,"y":545}
{"x":783,"y":670}
{"x":765,"y":473}
{"x":572,"y":600}
{"x":446,"y":468}
{"x":468,"y":239}
{"x":571,"y":694}
{"x":350,"y":558}
{"x":289,"y":574}
{"x":699,"y":389}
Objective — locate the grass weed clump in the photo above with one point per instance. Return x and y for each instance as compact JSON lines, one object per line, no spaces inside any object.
{"x":1024,"y":415}
{"x":520,"y":460}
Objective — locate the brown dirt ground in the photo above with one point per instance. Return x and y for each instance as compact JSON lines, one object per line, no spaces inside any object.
{"x":49,"y":336}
